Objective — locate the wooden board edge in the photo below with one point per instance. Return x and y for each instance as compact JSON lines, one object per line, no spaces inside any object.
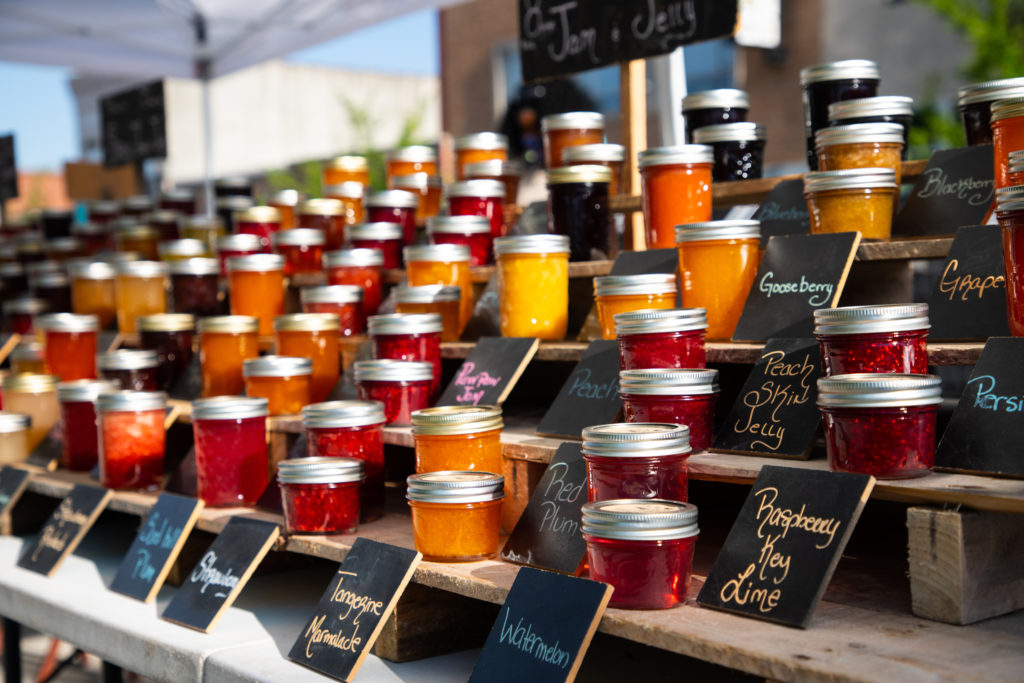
{"x":595,"y":622}
{"x":760,"y":454}
{"x":514,"y":379}
{"x":841,"y":285}
{"x":9,"y":346}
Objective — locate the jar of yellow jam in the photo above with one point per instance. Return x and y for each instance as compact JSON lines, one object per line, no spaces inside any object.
{"x":862,"y":199}
{"x":456,"y":515}
{"x":625,"y":293}
{"x":533,"y":285}
{"x":442,"y":264}
{"x":463,"y":437}
{"x":92,"y":291}
{"x":440,"y":299}
{"x":860,"y":145}
{"x":140,"y":289}
{"x":36,"y":397}
{"x":283,"y":380}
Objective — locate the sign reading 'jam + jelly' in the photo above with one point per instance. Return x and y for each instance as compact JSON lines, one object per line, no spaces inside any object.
{"x":590,"y":395}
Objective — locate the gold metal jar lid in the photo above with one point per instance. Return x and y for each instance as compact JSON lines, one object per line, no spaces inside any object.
{"x":580,"y":173}
{"x":183,"y":248}
{"x":166,"y":322}
{"x":414,"y":154}
{"x":847,"y":69}
{"x":623,"y":285}
{"x":451,"y":420}
{"x":68,"y":322}
{"x":322,"y":206}
{"x":573,"y":120}
{"x":277,"y":366}
{"x":596,"y":152}
{"x":229,"y":324}
{"x":719,"y":98}
{"x":30,"y":384}
{"x":136,"y":231}
{"x":307,"y":322}
{"x":348,"y":162}
{"x":482,"y":141}
{"x":259,"y":214}
{"x":349,"y":189}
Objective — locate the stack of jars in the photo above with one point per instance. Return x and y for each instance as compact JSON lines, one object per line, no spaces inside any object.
{"x":406,"y":375}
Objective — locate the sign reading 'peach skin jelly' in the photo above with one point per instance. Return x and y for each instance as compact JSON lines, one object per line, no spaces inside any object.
{"x":489,"y":373}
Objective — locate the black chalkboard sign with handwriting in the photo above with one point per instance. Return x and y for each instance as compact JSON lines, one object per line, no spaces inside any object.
{"x":784,"y":211}
{"x":350,"y":615}
{"x":784,"y":546}
{"x":48,"y":453}
{"x":224,"y":569}
{"x":8,"y":169}
{"x":13,"y":481}
{"x":798,"y":274}
{"x":560,"y":38}
{"x":189,"y":386}
{"x":969,"y":297}
{"x":145,"y":565}
{"x":134,"y":125}
{"x":66,"y":527}
{"x":548,"y":533}
{"x":589,"y":397}
{"x":956,"y":189}
{"x":8,"y":343}
{"x":664,"y":261}
{"x":490,"y":372}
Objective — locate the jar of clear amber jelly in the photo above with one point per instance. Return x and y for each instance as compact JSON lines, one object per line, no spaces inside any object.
{"x":228,"y":207}
{"x":738,"y":149}
{"x":225,"y":343}
{"x":623,"y":293}
{"x":427,"y":187}
{"x":477,"y":147}
{"x":385,"y":238}
{"x":860,"y":145}
{"x":95,"y":237}
{"x":230,"y":246}
{"x":505,"y":172}
{"x":78,"y":421}
{"x":137,"y":370}
{"x":824,"y":84}
{"x":61,"y":249}
{"x":637,"y":460}
{"x":642,"y":548}
{"x":206,"y":229}
{"x":462,"y":437}
{"x":676,"y":189}
{"x":35,"y":396}
{"x":327,"y":216}
{"x":470,"y":231}
{"x":357,"y":268}
{"x":179,"y":250}
{"x":479,"y":198}
{"x":402,"y":386}
{"x":350,"y":194}
{"x":343,"y":301}
{"x":1007,"y":135}
{"x":284,"y":381}
{"x":70,"y":342}
{"x":54,"y":288}
{"x":104,"y":211}
{"x":232,"y":464}
{"x":888,"y":338}
{"x":302,"y":249}
{"x":880,"y":424}
{"x":140,"y":288}
{"x":605,"y":154}
{"x":975,"y":104}
{"x":578,"y":207}
{"x":351,"y":429}
{"x":862,"y":199}
{"x":286,"y":201}
{"x":661,"y":338}
{"x":410,"y":337}
{"x":256,"y":288}
{"x":566,"y":130}
{"x":409,"y":160}
{"x":143,"y":239}
{"x":394,"y":206}
{"x":14,"y":430}
{"x":136,"y":205}
{"x":533,"y":286}
{"x":345,"y":169}
{"x":167,"y":223}
{"x":132,"y":439}
{"x":195,"y":286}
{"x":180,"y":199}
{"x":672,"y":395}
{"x":170,"y":336}
{"x":262,"y":221}
{"x":886,"y":109}
{"x":315,"y":336}
{"x":442,"y":300}
{"x":320,"y":495}
{"x":456,"y":515}
{"x":28,"y":358}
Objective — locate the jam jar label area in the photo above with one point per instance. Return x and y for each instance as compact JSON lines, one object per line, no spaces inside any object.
{"x":490,"y":372}
{"x":956,"y":188}
{"x":64,"y":530}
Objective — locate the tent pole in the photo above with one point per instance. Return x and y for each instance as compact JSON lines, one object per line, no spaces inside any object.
{"x":207,"y":146}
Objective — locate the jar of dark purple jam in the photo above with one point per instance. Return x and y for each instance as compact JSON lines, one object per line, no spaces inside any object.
{"x":824,"y":84}
{"x":738,"y":149}
{"x":578,"y":207}
{"x":170,"y":336}
{"x":975,"y":104}
{"x":134,"y":370}
{"x":712,"y":107}
{"x":195,"y":285}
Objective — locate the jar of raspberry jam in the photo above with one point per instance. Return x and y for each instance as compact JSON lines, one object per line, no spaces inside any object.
{"x":470,"y":231}
{"x":642,"y":548}
{"x":440,"y":299}
{"x":880,"y":424}
{"x":975,"y":104}
{"x":137,"y":370}
{"x":442,"y":264}
{"x":624,"y":293}
{"x":394,"y":206}
{"x":70,"y":342}
{"x":195,"y":286}
{"x":166,"y":222}
{"x":132,"y":439}
{"x":359,"y":268}
{"x":427,"y":188}
{"x":460,"y":437}
{"x":302,"y":249}
{"x":232,"y":466}
{"x":20,"y":314}
{"x":456,"y":515}
{"x":344,"y":301}
{"x":712,"y":107}
{"x":477,"y":147}
{"x":638,"y":460}
{"x":320,"y":495}
{"x":402,"y":386}
{"x":225,"y":342}
{"x":78,"y":421}
{"x":261,"y":221}
{"x":179,"y":250}
{"x":170,"y":336}
{"x":385,"y":238}
{"x":738,"y":149}
{"x":485,"y":198}
{"x":350,"y":194}
{"x":285,"y":381}
{"x":326,"y":215}
{"x":410,"y":337}
{"x":13,"y":437}
{"x":410,"y":159}
{"x":351,"y":429}
{"x":661,"y":338}
{"x":506,"y":172}
{"x":886,"y":338}
{"x":314,"y":336}
{"x":680,"y":396}
{"x":180,"y":199}
{"x":236,"y":245}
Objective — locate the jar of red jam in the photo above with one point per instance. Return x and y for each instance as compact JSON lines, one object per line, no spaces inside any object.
{"x":326,"y":215}
{"x":132,"y":439}
{"x":440,"y":299}
{"x":170,"y":336}
{"x":315,"y":336}
{"x":880,"y":424}
{"x":78,"y":421}
{"x":1007,"y":135}
{"x":320,"y":495}
{"x":975,"y":104}
{"x":70,"y":342}
{"x":104,"y":211}
{"x":661,"y":338}
{"x":712,"y":107}
{"x":680,"y":396}
{"x":131,"y":369}
{"x":637,"y":460}
{"x":350,"y":194}
{"x":286,"y":201}
{"x":642,"y":548}
{"x":567,"y":130}
{"x":617,"y":294}
{"x":410,"y":337}
{"x":477,"y":147}
{"x":427,"y":187}
{"x":262,"y":221}
{"x":505,"y":172}
{"x":179,"y":250}
{"x":885,"y":338}
{"x":351,"y":429}
{"x":470,"y":231}
{"x":824,"y":84}
{"x":95,"y":237}
{"x":302,"y":249}
{"x":344,"y":301}
{"x":136,"y":205}
{"x":229,"y":246}
{"x":54,"y":288}
{"x":1010,"y":212}
{"x":460,"y":437}
{"x":359,"y":268}
{"x":167,"y":223}
{"x":393,"y":206}
{"x":383,"y":237}
{"x":402,"y":386}
{"x":606,"y":154}
{"x":410,"y":159}
{"x":180,"y":199}
{"x":456,"y":515}
{"x":20,"y":314}
{"x":479,"y":198}
{"x":195,"y":286}
{"x":285,"y":381}
{"x":232,"y":466}
{"x":738,"y":149}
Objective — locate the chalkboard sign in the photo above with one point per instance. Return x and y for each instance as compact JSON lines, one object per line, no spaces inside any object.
{"x":179,"y":443}
{"x":350,"y":615}
{"x":8,"y":169}
{"x":491,"y":370}
{"x":985,"y":432}
{"x":785,"y":544}
{"x":64,"y":530}
{"x":13,"y":481}
{"x":134,"y":125}
{"x":7,"y":344}
{"x":776,"y":412}
{"x":655,"y":261}
{"x":189,"y":386}
{"x":109,"y":340}
{"x":798,"y":274}
{"x":48,"y":453}
{"x":969,"y":298}
{"x":222,"y":572}
{"x":156,"y":546}
{"x":956,"y":189}
{"x":543,"y":629}
{"x":784,"y":211}
{"x":560,"y":38}
{"x":547,"y":534}
{"x":589,"y":397}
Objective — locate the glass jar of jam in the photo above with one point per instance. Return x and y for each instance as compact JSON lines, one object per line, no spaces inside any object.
{"x":672,"y":395}
{"x":232,"y":465}
{"x":427,"y":187}
{"x":456,"y":515}
{"x":314,"y":336}
{"x":623,"y":293}
{"x":195,"y":286}
{"x":862,"y":199}
{"x":70,"y":342}
{"x":458,"y":437}
{"x":144,"y":239}
{"x":167,"y":223}
{"x":262,"y":221}
{"x":225,"y":343}
{"x":442,"y":300}
{"x":345,"y":169}
{"x":140,"y":288}
{"x":1007,"y":135}
{"x":94,"y":237}
{"x":506,"y":172}
{"x":20,"y":314}
{"x":206,"y":229}
{"x":676,"y":189}
{"x":739,"y":149}
{"x":54,"y":288}
{"x":402,"y":386}
{"x":887,"y":109}
{"x":180,"y":199}
{"x":714,"y":107}
{"x":861,"y":145}
{"x":578,"y":207}
{"x":350,"y":195}
{"x":567,"y":130}
{"x":104,"y":211}
{"x":36,"y":397}
{"x":170,"y":336}
{"x":599,"y":154}
{"x":137,"y":370}
{"x":137,"y":206}
{"x":13,"y":278}
{"x":320,"y":495}
{"x":344,"y":301}
{"x":256,"y":288}
{"x":409,"y":160}
{"x":471,"y":231}
{"x":285,"y":381}
{"x":642,"y":548}
{"x":637,"y":460}
{"x":442,"y":264}
{"x":393,"y":206}
{"x":1015,"y":167}
{"x":1010,"y":212}
{"x":479,"y":198}
{"x":357,"y":268}
{"x":286,"y":201}
{"x":889,"y":338}
{"x":302,"y":249}
{"x":230,"y":206}
{"x":132,"y":439}
{"x":28,"y":358}
{"x":975,"y":104}
{"x":880,"y":424}
{"x":717,"y":264}
{"x":477,"y":147}
{"x":351,"y":429}
{"x":179,"y":250}
{"x":234,"y":186}
{"x":61,"y":249}
{"x":14,"y":430}
{"x":824,"y":84}
{"x":385,"y":238}
{"x":230,"y":246}
{"x":661,"y":338}
{"x":326,"y":216}
{"x":533,"y":286}
{"x":78,"y":421}
{"x":410,"y":337}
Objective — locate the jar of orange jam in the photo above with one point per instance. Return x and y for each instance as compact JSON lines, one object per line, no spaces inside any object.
{"x":286,"y":201}
{"x":70,"y":343}
{"x":350,"y":194}
{"x":140,"y":288}
{"x":456,"y":515}
{"x":180,"y":250}
{"x":533,"y":285}
{"x":625,"y":293}
{"x":599,"y":154}
{"x":206,"y":229}
{"x":360,"y":268}
{"x":302,"y":249}
{"x":262,"y":221}
{"x":478,"y":147}
{"x":569,"y":129}
{"x":256,"y":287}
{"x":860,"y":145}
{"x":676,"y":188}
{"x":862,"y":199}
{"x":314,"y":336}
{"x":462,"y":437}
{"x":143,"y":239}
{"x":440,"y":299}
{"x":409,"y":160}
{"x":327,"y":216}
{"x":427,"y":187}
{"x":225,"y":343}
{"x":717,"y":264}
{"x":346,"y":169}
{"x":92,"y":291}
{"x":283,"y":380}
{"x":1007,"y":118}
{"x":442,"y":264}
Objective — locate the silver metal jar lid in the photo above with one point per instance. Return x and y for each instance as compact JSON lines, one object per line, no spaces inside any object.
{"x":580,"y":173}
{"x":166,"y":322}
{"x":299,"y":237}
{"x":1010,"y":198}
{"x":392,"y":371}
{"x":142,"y":268}
{"x":740,"y":131}
{"x":262,"y":263}
{"x":234,"y":182}
{"x":139,"y":202}
{"x":1007,"y":109}
{"x":871,"y":319}
{"x":652,"y":320}
{"x":451,"y":420}
{"x":287,"y":197}
{"x":178,"y":194}
{"x":104,"y":206}
{"x":668,"y":382}
{"x":127,"y":359}
{"x":42,"y":268}
{"x":356,"y":258}
{"x":989,"y":91}
{"x":84,"y":390}
{"x":349,"y":162}
{"x":133,"y":401}
{"x":718,"y":230}
{"x":277,"y":366}
{"x":636,"y":439}
{"x":847,"y":69}
{"x":229,"y":324}
{"x":619,"y":285}
{"x":859,"y":133}
{"x":88,"y":229}
{"x":455,"y":486}
{"x":427,"y":294}
{"x":321,"y":206}
{"x":25,"y":305}
{"x":195,"y":266}
{"x":331,"y":294}
{"x":376,"y":232}
{"x":398,"y":199}
{"x":850,"y":179}
{"x":1016,"y":161}
{"x":493,"y":168}
{"x":532,"y":244}
{"x":229,"y":408}
{"x":651,"y":519}
{"x":476,"y":188}
{"x":136,"y":231}
{"x":436,"y":252}
{"x":241,"y":241}
{"x":68,"y":322}
{"x":419,"y":182}
{"x":877,"y":390}
{"x":676,"y":154}
{"x":204,"y":222}
{"x":863,"y":107}
{"x":595,"y":152}
{"x":721,"y":98}
{"x":307,"y":322}
{"x":486,"y":141}
{"x":404,"y":323}
{"x":183,"y":248}
{"x":458,"y":225}
{"x":51,"y":279}
{"x":320,"y":471}
{"x":63,"y":244}
{"x":343,"y":414}
{"x":27,"y":351}
{"x":30,"y":384}
{"x":413,"y":153}
{"x":349,"y":189}
{"x":116,"y":258}
{"x":14,"y":422}
{"x":13,"y":269}
{"x":257,"y":214}
{"x":573,"y":120}
{"x":163,"y":216}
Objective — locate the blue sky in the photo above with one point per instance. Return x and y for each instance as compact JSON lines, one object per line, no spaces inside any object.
{"x":37,"y":106}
